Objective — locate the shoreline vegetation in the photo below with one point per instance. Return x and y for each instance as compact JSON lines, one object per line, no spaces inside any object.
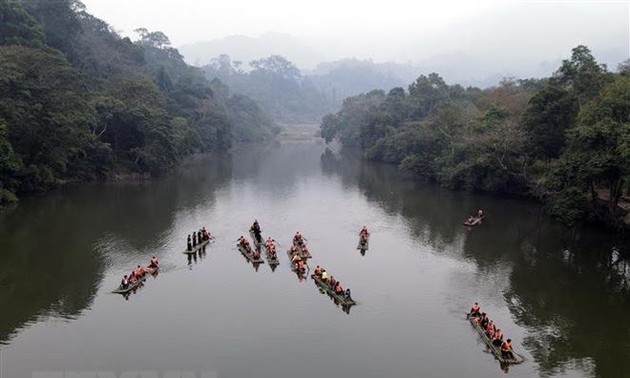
{"x":563,"y":140}
{"x":80,"y":103}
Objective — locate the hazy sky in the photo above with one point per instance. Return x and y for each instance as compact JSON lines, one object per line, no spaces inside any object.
{"x":500,"y":33}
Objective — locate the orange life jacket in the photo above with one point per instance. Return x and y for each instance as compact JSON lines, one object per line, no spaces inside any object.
{"x":506,"y":346}
{"x":138,"y":272}
{"x":475,"y":308}
{"x":498,"y":335}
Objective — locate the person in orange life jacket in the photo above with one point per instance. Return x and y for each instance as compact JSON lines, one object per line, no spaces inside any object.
{"x":506,"y":349}
{"x":338,"y":289}
{"x":475,"y":310}
{"x":490,"y":329}
{"x":497,"y":340}
{"x":139,"y":272}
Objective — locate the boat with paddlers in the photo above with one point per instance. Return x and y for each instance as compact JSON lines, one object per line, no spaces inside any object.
{"x":132,"y":285}
{"x":496,"y":350}
{"x":473,"y":221}
{"x":198,"y":241}
{"x":364,"y":239}
{"x":342,"y":298}
{"x":249,"y":254}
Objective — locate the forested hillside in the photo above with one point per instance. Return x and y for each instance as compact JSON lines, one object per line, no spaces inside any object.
{"x":564,"y":139}
{"x":276,"y":84}
{"x":79,"y":102}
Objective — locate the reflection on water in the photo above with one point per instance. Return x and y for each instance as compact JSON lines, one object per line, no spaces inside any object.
{"x":563,"y":294}
{"x":569,"y":288}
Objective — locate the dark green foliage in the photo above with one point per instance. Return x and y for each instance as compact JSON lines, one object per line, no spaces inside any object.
{"x":565,"y":139}
{"x":44,"y":103}
{"x":17,"y":27}
{"x":78,"y":102}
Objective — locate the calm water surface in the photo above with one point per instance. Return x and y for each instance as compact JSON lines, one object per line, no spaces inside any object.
{"x":562,"y":296}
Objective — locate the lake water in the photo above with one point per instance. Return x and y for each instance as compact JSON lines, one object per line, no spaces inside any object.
{"x":561,"y":295}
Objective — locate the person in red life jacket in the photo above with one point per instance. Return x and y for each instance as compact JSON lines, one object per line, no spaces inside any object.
{"x":506,"y":349}
{"x":490,"y":330}
{"x":300,"y":266}
{"x":139,"y":272}
{"x":338,"y":289}
{"x":475,"y":310}
{"x":497,"y":340}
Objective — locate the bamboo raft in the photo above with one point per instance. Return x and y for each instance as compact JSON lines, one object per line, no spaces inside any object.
{"x":250,"y":255}
{"x":493,"y":348}
{"x":341,"y":299}
{"x":197,"y":247}
{"x":271,"y":261}
{"x":137,"y":283}
{"x":364,"y":246}
{"x":476,"y":221}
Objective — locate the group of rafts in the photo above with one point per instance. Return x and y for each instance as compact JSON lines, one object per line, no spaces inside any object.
{"x":196,"y":242}
{"x":298,"y":255}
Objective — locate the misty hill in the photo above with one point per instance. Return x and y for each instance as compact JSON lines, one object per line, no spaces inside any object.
{"x":245,"y":49}
{"x":276,"y":84}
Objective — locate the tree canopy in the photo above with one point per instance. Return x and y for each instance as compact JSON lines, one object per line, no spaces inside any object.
{"x":563,"y":139}
{"x":78,"y":102}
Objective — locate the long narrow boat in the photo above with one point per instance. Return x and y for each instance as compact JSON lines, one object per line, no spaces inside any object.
{"x":474,"y":222}
{"x":364,"y":245}
{"x":137,"y":283}
{"x":493,"y":348}
{"x":341,"y":299}
{"x":198,"y":247}
{"x":271,"y":260}
{"x":250,"y":256}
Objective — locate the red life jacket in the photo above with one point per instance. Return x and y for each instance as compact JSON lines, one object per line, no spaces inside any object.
{"x":506,"y":346}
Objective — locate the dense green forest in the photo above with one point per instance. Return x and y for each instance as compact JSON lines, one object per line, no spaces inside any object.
{"x":79,"y":102}
{"x":276,"y":84}
{"x":564,"y":139}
